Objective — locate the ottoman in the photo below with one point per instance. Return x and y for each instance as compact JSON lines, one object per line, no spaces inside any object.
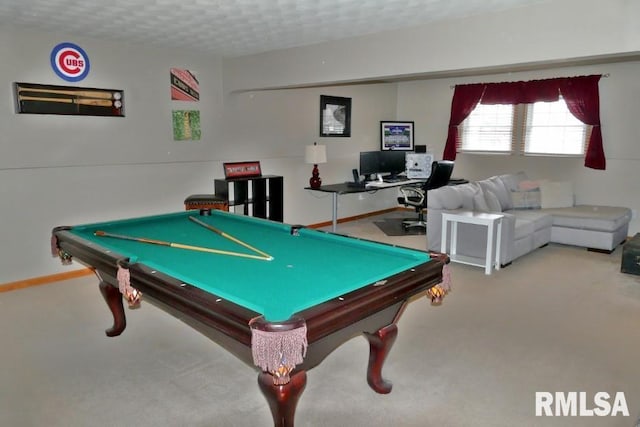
{"x":206,"y":201}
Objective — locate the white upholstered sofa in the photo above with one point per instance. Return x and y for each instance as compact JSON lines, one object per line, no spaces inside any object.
{"x":536,"y":213}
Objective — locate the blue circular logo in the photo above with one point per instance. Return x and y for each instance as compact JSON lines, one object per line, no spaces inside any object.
{"x":70,"y":62}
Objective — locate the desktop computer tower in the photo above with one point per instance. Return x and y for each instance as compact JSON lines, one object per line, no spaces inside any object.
{"x":418,"y":165}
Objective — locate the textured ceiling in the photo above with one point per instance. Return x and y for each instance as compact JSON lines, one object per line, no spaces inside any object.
{"x":236,"y":27}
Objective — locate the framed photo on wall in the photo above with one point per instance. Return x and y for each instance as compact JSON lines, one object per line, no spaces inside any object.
{"x":396,"y":136}
{"x":335,"y":116}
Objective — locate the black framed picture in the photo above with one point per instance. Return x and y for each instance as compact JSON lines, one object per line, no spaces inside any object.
{"x":335,"y":116}
{"x":396,"y":136}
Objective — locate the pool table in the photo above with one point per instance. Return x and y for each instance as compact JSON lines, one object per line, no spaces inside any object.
{"x":277,"y":296}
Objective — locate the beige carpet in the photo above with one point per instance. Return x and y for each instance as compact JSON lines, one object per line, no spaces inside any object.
{"x":559,"y":319}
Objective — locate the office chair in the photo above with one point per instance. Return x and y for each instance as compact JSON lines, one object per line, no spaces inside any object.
{"x":417,"y":196}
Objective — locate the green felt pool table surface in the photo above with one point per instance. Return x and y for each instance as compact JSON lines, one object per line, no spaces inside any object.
{"x":307,"y":268}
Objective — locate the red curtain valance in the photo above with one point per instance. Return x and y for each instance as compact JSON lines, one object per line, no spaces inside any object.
{"x":580,"y":94}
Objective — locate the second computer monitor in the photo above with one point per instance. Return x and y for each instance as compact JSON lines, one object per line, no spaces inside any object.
{"x":369,"y":161}
{"x":392,"y":162}
{"x":389,"y":162}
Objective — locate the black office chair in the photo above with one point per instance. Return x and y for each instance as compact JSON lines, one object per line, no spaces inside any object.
{"x":417,"y":196}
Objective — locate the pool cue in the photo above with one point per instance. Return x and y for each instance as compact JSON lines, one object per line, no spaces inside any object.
{"x":227,"y":236}
{"x":80,"y":101}
{"x":83,"y":93}
{"x":178,"y":245}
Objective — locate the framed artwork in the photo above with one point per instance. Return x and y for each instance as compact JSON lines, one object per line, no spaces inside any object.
{"x":396,"y":136}
{"x":32,"y":98}
{"x":242,"y":169}
{"x":186,"y":125}
{"x":335,"y":116}
{"x":184,"y":85}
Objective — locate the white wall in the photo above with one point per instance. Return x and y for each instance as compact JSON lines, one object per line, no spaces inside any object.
{"x":551,"y":31}
{"x":277,"y":125}
{"x":57,"y":170}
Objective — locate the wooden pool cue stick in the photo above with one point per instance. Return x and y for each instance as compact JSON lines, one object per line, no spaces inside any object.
{"x":82,"y":93}
{"x":228,"y":236}
{"x":178,"y":245}
{"x":81,"y":101}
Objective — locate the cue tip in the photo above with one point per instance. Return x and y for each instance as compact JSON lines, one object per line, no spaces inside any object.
{"x":99,"y":233}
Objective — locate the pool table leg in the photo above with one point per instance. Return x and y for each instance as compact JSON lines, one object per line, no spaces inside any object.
{"x":283,"y":399}
{"x":113,"y":297}
{"x":380,"y":344}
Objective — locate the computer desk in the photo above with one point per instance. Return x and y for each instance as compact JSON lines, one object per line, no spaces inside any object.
{"x":345,"y":188}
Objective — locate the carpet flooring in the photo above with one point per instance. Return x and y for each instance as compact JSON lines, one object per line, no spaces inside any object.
{"x":557,"y":320}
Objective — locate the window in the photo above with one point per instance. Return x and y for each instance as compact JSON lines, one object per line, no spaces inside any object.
{"x":552,"y":129}
{"x":488,"y":128}
{"x":541,"y":128}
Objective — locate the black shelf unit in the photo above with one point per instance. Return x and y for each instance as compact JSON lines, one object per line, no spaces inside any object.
{"x":265,"y":200}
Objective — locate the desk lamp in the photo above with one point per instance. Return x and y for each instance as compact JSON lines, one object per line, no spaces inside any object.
{"x":314,"y":155}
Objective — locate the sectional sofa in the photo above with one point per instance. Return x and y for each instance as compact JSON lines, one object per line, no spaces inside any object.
{"x":535,"y":214}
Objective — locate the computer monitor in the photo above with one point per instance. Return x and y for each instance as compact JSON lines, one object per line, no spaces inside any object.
{"x":369,"y":163}
{"x":392,"y":162}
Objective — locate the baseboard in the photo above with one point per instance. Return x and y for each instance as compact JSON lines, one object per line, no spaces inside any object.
{"x":44,"y":280}
{"x":356,"y":217}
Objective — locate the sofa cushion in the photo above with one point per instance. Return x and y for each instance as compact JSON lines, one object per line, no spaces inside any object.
{"x":523,"y":228}
{"x":492,"y":201}
{"x":480,"y":202}
{"x":496,"y":186}
{"x":448,"y":197}
{"x":467,"y":193}
{"x":587,"y":217}
{"x":538,"y":218}
{"x":556,"y":194}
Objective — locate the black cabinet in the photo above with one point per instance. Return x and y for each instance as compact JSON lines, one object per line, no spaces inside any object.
{"x":257,"y":196}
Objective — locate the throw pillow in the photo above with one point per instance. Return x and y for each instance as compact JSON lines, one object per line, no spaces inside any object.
{"x":511,"y":180}
{"x":526,"y":199}
{"x":528,"y":185}
{"x":556,"y":194}
{"x":492,"y":202}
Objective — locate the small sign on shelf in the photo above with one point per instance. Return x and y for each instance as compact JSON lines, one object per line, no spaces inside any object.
{"x":242,"y":170}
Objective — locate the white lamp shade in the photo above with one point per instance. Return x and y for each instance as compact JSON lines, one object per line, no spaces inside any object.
{"x":315,"y":154}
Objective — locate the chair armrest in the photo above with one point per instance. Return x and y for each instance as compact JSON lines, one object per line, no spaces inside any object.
{"x":413,"y":192}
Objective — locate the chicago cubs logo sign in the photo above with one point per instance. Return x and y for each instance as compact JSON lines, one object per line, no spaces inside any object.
{"x":70,"y":62}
